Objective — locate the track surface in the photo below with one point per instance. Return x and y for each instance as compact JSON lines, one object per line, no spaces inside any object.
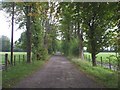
{"x":58,"y":72}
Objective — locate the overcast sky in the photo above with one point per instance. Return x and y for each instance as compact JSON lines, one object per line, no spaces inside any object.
{"x":5,"y":27}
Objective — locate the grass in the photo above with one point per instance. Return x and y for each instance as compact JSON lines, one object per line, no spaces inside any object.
{"x":16,"y":73}
{"x":20,"y":71}
{"x":105,"y":77}
{"x":0,"y":78}
{"x":105,"y":57}
{"x":2,"y":55}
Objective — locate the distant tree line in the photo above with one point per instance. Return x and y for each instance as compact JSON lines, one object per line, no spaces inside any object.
{"x":20,"y":46}
{"x":5,"y":45}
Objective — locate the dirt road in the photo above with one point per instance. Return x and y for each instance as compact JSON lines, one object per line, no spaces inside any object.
{"x":58,"y":72}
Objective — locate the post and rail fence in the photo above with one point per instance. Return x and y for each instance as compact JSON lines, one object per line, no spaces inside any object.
{"x":16,"y":60}
{"x":22,"y":58}
{"x":108,"y":64}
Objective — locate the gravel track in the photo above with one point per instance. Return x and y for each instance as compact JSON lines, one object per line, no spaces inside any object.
{"x":58,"y":72}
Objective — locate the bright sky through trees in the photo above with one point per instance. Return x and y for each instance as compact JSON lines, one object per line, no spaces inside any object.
{"x":5,"y":28}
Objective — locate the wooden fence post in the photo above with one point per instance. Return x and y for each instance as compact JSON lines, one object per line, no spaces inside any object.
{"x":101,"y":61}
{"x":6,"y":60}
{"x":85,"y":57}
{"x":19,"y":58}
{"x":89,"y":58}
{"x":109,"y":64}
{"x":14,"y":60}
{"x":23,"y":58}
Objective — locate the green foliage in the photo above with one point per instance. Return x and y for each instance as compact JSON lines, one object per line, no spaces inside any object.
{"x":37,"y":38}
{"x":71,"y":48}
{"x":74,"y":47}
{"x":97,"y":21}
{"x":58,"y":47}
{"x":65,"y":47}
{"x":91,"y":20}
{"x":41,"y":54}
{"x":5,"y":43}
{"x":21,"y":42}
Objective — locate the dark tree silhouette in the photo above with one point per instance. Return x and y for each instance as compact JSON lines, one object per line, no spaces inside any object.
{"x":13,"y":5}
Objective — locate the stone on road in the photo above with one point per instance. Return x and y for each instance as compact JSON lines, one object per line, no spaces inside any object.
{"x":58,"y":72}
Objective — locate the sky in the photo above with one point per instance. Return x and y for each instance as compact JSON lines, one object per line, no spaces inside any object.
{"x":5,"y":27}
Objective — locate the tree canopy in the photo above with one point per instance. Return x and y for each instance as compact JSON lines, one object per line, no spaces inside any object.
{"x":78,"y":24}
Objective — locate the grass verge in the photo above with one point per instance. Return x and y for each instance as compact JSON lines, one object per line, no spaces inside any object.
{"x":16,"y":73}
{"x":103,"y":76}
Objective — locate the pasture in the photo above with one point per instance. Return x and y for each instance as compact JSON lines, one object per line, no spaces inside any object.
{"x":105,"y":56}
{"x":21,"y":55}
{"x":104,"y":59}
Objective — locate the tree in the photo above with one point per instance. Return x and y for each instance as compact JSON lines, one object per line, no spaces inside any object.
{"x":28,"y":30}
{"x":71,"y":25}
{"x":79,"y":29}
{"x":90,"y":19}
{"x":21,"y":42}
{"x":5,"y":43}
{"x":96,"y":22}
{"x":17,"y":12}
{"x":66,"y":18}
{"x":13,"y":6}
{"x":37,"y":18}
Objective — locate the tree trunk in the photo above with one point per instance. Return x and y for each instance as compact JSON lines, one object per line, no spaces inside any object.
{"x":68,"y":33}
{"x":28,"y":34}
{"x":93,"y":59}
{"x":79,"y":32}
{"x":13,"y":5}
{"x":81,"y":50}
{"x":80,"y":36}
{"x":45,"y":40}
{"x":75,"y":29}
{"x":92,"y":43}
{"x":93,"y":52}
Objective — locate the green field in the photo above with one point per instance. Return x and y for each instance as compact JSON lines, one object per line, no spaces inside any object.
{"x":2,"y":56}
{"x":105,"y":57}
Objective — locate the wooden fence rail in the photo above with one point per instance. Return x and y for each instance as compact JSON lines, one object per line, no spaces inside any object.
{"x":16,"y":60}
{"x":23,"y":58}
